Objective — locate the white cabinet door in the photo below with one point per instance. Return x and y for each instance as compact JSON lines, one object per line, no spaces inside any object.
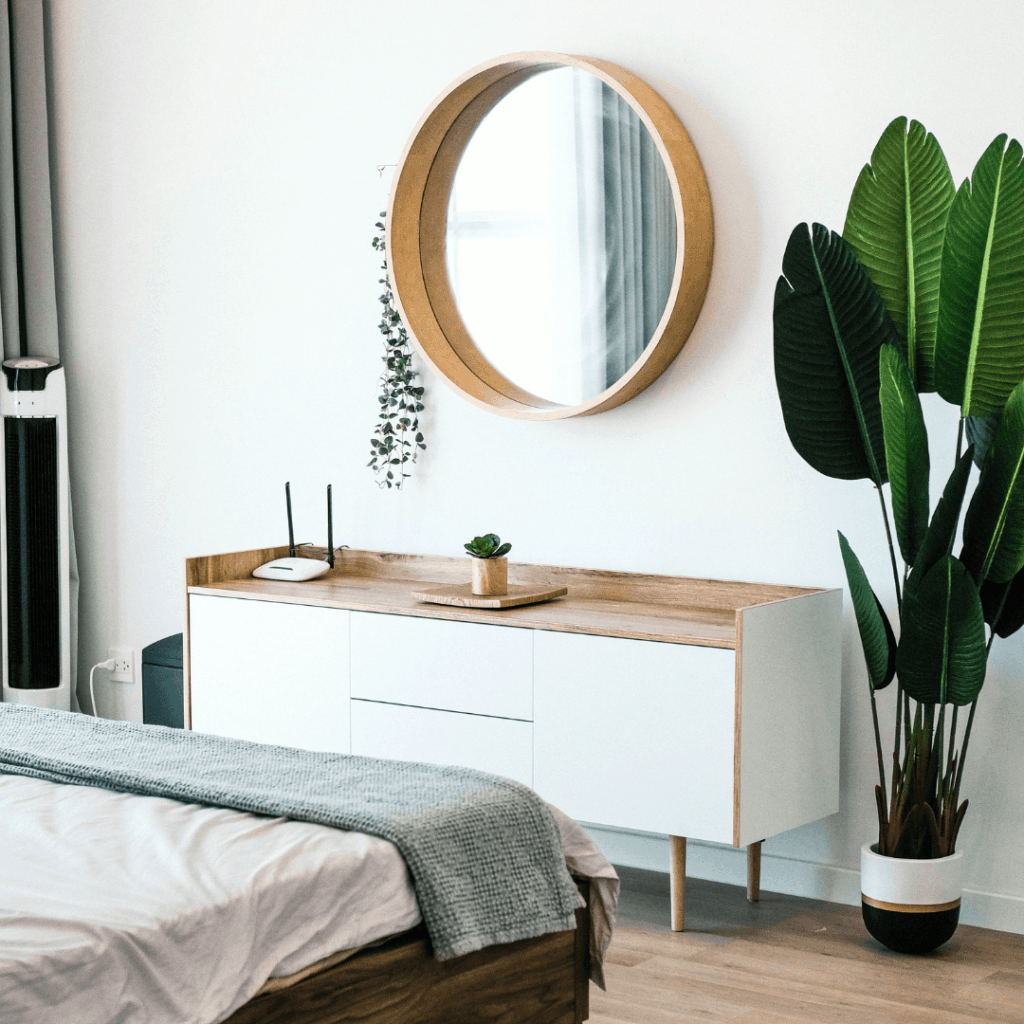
{"x":635,"y":733}
{"x":498,"y":745}
{"x":274,"y":673}
{"x":451,"y":666}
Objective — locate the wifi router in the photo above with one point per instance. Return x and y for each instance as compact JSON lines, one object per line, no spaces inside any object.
{"x":296,"y":569}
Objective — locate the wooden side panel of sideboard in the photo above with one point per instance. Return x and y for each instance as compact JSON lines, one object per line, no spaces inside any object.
{"x":788,"y":687}
{"x":635,"y":733}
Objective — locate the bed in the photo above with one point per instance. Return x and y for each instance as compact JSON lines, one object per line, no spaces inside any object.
{"x":123,"y":907}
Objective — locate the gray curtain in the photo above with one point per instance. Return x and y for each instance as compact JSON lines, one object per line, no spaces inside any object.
{"x":640,"y":234}
{"x":28,"y":300}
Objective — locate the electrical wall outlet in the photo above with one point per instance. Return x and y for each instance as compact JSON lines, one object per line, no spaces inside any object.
{"x":124,"y":664}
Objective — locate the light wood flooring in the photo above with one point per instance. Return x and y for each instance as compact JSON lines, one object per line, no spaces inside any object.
{"x":787,"y":960}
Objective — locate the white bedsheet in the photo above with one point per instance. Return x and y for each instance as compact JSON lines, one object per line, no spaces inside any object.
{"x":114,"y":908}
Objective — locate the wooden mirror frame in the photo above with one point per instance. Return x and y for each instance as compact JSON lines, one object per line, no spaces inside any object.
{"x":417,"y":225}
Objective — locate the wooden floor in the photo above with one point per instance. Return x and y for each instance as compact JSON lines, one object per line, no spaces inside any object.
{"x":788,"y":960}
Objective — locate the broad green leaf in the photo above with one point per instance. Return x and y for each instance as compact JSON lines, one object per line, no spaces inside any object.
{"x":979,"y":342}
{"x":938,"y":541}
{"x":895,"y":223}
{"x":994,"y":524}
{"x":941,"y":655}
{"x":980,"y":431}
{"x":1005,"y":600}
{"x":830,"y":324}
{"x":906,"y":451}
{"x":876,"y":635}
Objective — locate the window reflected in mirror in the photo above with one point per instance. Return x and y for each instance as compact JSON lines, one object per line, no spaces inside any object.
{"x":561,"y":236}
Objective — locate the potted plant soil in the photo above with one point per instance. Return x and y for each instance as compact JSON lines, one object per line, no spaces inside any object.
{"x":923,"y":292}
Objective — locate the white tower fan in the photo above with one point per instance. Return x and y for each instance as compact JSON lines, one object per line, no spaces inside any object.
{"x":35,"y":556}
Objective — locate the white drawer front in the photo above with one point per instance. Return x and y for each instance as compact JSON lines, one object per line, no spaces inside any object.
{"x":636,"y":734}
{"x":451,"y":666}
{"x":496,"y":745}
{"x":273,"y":673}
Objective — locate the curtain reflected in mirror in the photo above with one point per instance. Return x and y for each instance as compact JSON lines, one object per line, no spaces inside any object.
{"x":561,"y":236}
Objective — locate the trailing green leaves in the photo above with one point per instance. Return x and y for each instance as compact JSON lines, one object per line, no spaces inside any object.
{"x":830,"y":324}
{"x":979,"y":345}
{"x":941,"y":656}
{"x":994,"y":525}
{"x":906,"y":451}
{"x":876,"y":635}
{"x":895,"y":224}
{"x":397,"y":438}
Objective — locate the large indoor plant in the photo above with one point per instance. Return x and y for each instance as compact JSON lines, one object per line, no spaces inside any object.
{"x":923,"y":292}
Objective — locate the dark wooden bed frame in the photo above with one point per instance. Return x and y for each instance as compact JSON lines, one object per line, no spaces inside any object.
{"x":535,"y":981}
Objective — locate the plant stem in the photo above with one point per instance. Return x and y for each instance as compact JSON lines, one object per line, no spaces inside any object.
{"x":906,"y":719}
{"x":963,"y":749}
{"x":951,"y":760}
{"x":892,"y":550}
{"x":878,"y":742}
{"x":896,"y":741}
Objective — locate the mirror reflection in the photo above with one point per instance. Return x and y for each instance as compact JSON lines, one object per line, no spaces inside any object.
{"x":561,"y":236}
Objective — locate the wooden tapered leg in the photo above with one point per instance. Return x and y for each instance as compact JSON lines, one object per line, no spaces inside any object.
{"x":754,"y":872}
{"x":677,"y":881}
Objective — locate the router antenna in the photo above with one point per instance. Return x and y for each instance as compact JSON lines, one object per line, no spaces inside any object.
{"x":330,"y":529}
{"x":291,"y":532}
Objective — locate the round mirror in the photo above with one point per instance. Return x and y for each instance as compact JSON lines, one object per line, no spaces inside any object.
{"x":561,"y":236}
{"x":549,"y":236}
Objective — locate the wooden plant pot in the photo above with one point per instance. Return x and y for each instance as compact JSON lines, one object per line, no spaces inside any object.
{"x":911,"y":906}
{"x":490,"y":576}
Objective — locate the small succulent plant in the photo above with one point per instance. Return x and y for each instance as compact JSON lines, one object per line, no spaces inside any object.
{"x":487,"y":546}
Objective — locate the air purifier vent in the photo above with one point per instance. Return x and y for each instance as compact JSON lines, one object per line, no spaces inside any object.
{"x":33,"y":553}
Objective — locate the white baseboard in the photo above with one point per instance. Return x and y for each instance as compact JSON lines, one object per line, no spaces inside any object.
{"x":785,"y":874}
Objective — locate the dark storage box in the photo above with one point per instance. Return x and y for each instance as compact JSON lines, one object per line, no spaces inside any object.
{"x":163,"y":683}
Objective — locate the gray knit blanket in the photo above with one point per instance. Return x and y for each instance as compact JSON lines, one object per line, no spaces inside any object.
{"x":484,"y":852}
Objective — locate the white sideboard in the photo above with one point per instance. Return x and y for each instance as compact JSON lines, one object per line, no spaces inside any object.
{"x":699,"y":708}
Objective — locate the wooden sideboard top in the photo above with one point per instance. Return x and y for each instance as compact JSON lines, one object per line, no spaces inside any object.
{"x":673,"y":609}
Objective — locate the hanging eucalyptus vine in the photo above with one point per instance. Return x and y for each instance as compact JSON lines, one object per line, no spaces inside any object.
{"x":397,"y":437}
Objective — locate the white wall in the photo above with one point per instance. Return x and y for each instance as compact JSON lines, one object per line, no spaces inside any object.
{"x":216,"y":198}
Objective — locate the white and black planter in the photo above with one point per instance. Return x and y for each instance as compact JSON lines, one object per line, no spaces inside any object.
{"x":911,"y":906}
